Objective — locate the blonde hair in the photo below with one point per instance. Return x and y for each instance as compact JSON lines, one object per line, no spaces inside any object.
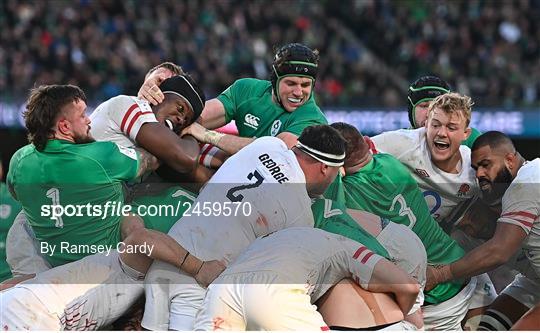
{"x":453,"y":103}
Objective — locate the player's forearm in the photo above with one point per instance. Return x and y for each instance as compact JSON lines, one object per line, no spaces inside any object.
{"x":232,"y":143}
{"x":480,"y":260}
{"x":147,"y":162}
{"x":228,"y":143}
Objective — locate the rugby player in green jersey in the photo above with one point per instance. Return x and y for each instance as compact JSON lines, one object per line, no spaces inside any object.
{"x":64,"y":170}
{"x":380,"y":184}
{"x":423,"y":91}
{"x":281,"y":107}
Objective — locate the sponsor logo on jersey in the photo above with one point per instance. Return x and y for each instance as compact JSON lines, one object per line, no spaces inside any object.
{"x":276,"y":125}
{"x":421,"y":173}
{"x":463,"y":190}
{"x":251,"y":121}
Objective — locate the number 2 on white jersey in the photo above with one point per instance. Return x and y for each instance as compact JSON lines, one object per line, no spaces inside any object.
{"x":404,"y":210}
{"x":54,"y":194}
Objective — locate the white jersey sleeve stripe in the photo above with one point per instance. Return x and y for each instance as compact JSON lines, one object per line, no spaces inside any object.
{"x":359,"y":252}
{"x":521,"y":214}
{"x":366,"y":257}
{"x":127,"y":115}
{"x":134,"y":119}
{"x":524,"y":224}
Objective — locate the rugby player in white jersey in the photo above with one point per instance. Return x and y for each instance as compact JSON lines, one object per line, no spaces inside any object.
{"x":441,"y":166}
{"x":503,"y":172}
{"x":273,"y":184}
{"x":274,"y":282}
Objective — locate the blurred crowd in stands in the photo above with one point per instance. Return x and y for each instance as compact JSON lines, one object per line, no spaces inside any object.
{"x":487,"y":49}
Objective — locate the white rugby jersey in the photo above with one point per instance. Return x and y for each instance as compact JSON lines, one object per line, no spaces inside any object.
{"x":521,"y":207}
{"x":265,"y":180}
{"x":311,"y":257}
{"x":448,"y":195}
{"x":119,"y":120}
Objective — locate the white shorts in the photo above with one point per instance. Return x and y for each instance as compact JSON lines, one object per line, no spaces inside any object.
{"x":21,"y":310}
{"x":235,"y":303}
{"x":524,"y":290}
{"x":447,"y":316}
{"x":83,"y":295}
{"x":22,"y":250}
{"x":484,"y":293}
{"x":408,"y":252}
{"x":172,"y":298}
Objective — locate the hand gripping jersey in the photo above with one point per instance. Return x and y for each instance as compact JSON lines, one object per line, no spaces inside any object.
{"x":79,"y":179}
{"x":249,"y":103}
{"x":385,"y":188}
{"x":119,"y":120}
{"x":448,"y":195}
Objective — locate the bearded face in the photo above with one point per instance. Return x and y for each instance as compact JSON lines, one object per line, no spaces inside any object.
{"x":493,"y":189}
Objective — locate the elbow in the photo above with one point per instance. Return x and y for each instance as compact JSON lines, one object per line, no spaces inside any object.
{"x":501,"y":257}
{"x":413,"y":288}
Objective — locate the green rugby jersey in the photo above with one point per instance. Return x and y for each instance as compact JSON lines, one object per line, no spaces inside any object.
{"x":171,"y":204}
{"x":249,"y":103}
{"x":385,"y":188}
{"x":470,"y":140}
{"x":9,"y":208}
{"x":80,"y":178}
{"x":332,"y":216}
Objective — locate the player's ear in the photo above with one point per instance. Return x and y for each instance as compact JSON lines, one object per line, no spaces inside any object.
{"x":324,"y":168}
{"x":63,"y":126}
{"x":468,"y":132}
{"x":510,"y":160}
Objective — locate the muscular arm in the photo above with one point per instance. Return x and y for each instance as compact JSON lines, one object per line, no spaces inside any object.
{"x":230,"y":143}
{"x":179,"y":153}
{"x":147,"y":162}
{"x":388,"y":278}
{"x":493,"y":253}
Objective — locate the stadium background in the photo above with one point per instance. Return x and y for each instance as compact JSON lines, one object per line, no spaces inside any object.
{"x":370,"y":51}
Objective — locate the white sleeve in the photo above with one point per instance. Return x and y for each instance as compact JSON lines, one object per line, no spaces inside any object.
{"x":130,"y":113}
{"x":520,"y":206}
{"x":362,"y":261}
{"x":395,"y":142}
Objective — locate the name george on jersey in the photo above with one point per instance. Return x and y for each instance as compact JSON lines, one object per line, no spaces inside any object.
{"x":273,"y":168}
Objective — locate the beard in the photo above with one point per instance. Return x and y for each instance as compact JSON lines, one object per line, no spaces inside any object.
{"x":498,"y":186}
{"x":80,"y":139}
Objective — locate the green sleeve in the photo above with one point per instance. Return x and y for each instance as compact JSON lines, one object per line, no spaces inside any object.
{"x":231,"y":97}
{"x":119,"y":163}
{"x":470,"y":140}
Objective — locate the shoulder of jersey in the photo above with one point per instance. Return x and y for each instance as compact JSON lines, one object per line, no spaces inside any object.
{"x":270,"y":141}
{"x":529,"y":172}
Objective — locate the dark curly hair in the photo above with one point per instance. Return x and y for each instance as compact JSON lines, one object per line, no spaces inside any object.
{"x":44,"y":105}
